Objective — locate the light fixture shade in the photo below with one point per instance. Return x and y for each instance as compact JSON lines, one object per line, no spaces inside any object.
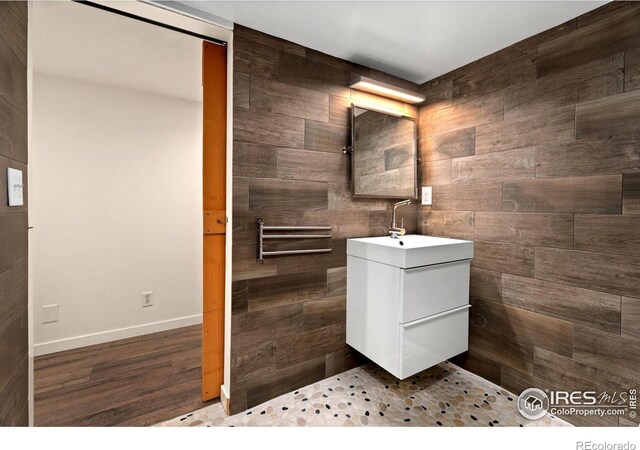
{"x":385,"y":90}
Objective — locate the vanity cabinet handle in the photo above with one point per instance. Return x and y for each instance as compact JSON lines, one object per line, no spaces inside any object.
{"x":435,"y":316}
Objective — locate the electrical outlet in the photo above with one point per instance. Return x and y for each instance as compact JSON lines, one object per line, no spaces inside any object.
{"x":147,"y":299}
{"x":49,"y":313}
{"x":426,"y":195}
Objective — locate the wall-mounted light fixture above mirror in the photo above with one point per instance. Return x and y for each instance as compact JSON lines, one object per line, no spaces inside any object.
{"x":385,"y":90}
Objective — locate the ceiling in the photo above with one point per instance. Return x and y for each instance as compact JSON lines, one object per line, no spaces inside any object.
{"x":77,"y":41}
{"x":417,"y":40}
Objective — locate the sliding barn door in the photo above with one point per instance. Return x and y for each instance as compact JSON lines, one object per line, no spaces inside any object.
{"x":214,"y":81}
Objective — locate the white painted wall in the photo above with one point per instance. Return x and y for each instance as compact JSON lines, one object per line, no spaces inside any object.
{"x":116,"y":206}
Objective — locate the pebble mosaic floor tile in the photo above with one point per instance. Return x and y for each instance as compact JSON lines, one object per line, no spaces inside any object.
{"x":444,"y":395}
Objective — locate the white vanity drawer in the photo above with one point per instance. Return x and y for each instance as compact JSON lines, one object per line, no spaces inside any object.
{"x":432,"y":289}
{"x":429,"y":341}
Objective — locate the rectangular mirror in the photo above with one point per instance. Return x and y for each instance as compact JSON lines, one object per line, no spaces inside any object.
{"x":384,"y":158}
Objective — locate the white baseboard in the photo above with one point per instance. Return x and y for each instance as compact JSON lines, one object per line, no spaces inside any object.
{"x":45,"y":348}
{"x":224,"y":398}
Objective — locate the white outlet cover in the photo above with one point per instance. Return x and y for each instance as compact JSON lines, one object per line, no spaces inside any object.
{"x":49,"y":313}
{"x":14,"y":187}
{"x":144,"y":296}
{"x":427,"y":193}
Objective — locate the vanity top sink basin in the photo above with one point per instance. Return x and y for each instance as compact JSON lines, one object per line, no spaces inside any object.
{"x":409,"y":251}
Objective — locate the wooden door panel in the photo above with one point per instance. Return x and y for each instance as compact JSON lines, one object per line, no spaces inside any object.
{"x":214,"y":81}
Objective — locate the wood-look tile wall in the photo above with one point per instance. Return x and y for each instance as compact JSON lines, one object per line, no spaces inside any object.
{"x":291,"y":120}
{"x":534,"y":153}
{"x":13,"y":220}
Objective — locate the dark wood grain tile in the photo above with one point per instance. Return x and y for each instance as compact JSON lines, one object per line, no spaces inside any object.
{"x":268,"y":129}
{"x":631,"y":194}
{"x":336,"y":281}
{"x":6,"y":242}
{"x":438,"y":93}
{"x":345,"y":359}
{"x":318,"y":166}
{"x":13,"y":23}
{"x":239,"y":296}
{"x":581,"y":306}
{"x":281,"y":381}
{"x":253,"y":58}
{"x":434,"y":173}
{"x":448,"y":145}
{"x":517,"y":63}
{"x":241,"y":86}
{"x":13,"y":347}
{"x":13,"y":78}
{"x":632,"y":70}
{"x":240,"y":194}
{"x":590,"y":81}
{"x":617,"y":274}
{"x":20,"y":238}
{"x":273,"y":97}
{"x":599,"y":194}
{"x":252,"y":356}
{"x":547,"y":230}
{"x":630,"y":317}
{"x":14,"y":408}
{"x":340,"y":111}
{"x":485,"y":284}
{"x":557,"y":125}
{"x":270,"y":292}
{"x":573,"y":375}
{"x":610,"y":34}
{"x":608,"y":116}
{"x":257,"y":37}
{"x":13,"y":132}
{"x":509,"y":165}
{"x":287,"y":195}
{"x":250,"y":160}
{"x":299,"y":347}
{"x":484,"y":196}
{"x":608,"y":234}
{"x":486,"y":368}
{"x":476,"y":112}
{"x":325,"y":137}
{"x":295,"y":70}
{"x":324,"y":312}
{"x":453,"y":224}
{"x":523,"y":326}
{"x":591,"y":156}
{"x":494,"y":347}
{"x":246,"y":267}
{"x":13,"y":291}
{"x":596,"y":348}
{"x":502,"y":257}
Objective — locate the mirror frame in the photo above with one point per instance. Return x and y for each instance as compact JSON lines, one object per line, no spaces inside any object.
{"x":354,"y":150}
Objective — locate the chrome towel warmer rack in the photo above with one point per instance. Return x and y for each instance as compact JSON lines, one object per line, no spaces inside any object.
{"x":262,"y":236}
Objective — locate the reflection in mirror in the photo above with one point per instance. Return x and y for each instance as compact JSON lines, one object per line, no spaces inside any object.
{"x":384,"y":155}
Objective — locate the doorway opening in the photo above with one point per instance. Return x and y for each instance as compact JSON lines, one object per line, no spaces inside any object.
{"x":119,"y":254}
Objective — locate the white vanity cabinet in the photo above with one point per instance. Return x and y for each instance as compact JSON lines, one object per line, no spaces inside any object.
{"x":408,"y":300}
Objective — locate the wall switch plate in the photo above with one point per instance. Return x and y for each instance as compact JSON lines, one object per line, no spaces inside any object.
{"x":49,"y":313}
{"x":426,"y":195}
{"x":147,"y":299}
{"x":14,"y":187}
